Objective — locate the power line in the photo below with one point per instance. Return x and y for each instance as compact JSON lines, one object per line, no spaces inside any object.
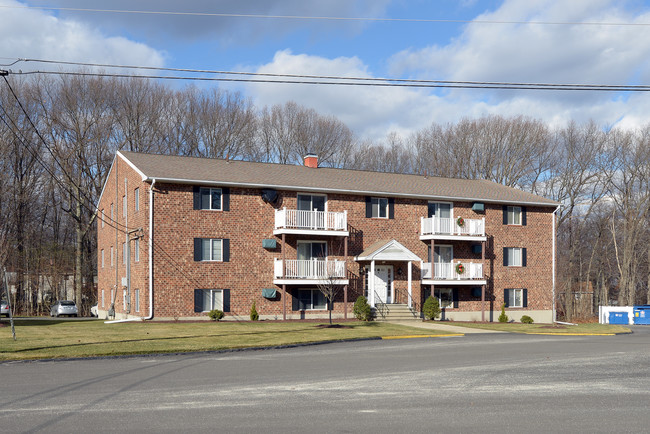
{"x":329,"y":18}
{"x":322,"y":77}
{"x":443,"y":84}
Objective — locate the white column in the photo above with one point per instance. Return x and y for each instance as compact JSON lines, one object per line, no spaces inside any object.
{"x":371,"y":287}
{"x":410,"y":274}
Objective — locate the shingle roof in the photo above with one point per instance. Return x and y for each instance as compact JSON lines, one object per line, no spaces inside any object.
{"x":193,"y":170}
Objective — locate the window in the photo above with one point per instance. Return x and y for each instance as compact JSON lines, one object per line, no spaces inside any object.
{"x":124,"y":206}
{"x":440,"y":210}
{"x":310,"y":299}
{"x":515,"y":297}
{"x":379,"y":207}
{"x":102,"y":258}
{"x":212,"y":249}
{"x":447,"y":297}
{"x":211,"y":198}
{"x":311,"y":202}
{"x":514,"y":215}
{"x":514,"y":256}
{"x":103,"y":301}
{"x":112,"y":296}
{"x":136,"y":199}
{"x":137,"y":300}
{"x":112,"y":260}
{"x":123,"y":253}
{"x":112,"y":213}
{"x":124,"y":299}
{"x":312,"y":250}
{"x":136,"y":249}
{"x":103,"y":217}
{"x":206,"y":300}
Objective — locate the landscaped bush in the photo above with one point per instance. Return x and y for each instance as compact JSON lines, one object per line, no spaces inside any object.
{"x":215,"y":315}
{"x":254,"y":315}
{"x":526,"y":319}
{"x":503,"y":317}
{"x":431,"y":308}
{"x":362,"y":310}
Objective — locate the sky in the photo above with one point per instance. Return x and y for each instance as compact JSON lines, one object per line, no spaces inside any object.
{"x":605,"y":42}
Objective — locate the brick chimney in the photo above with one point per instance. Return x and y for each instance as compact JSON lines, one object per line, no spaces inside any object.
{"x":311,"y":160}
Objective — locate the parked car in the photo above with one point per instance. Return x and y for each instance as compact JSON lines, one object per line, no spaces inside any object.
{"x":4,"y":309}
{"x":64,"y":307}
{"x":93,"y":311}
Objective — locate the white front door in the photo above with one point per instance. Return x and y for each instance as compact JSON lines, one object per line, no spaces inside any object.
{"x":383,"y":283}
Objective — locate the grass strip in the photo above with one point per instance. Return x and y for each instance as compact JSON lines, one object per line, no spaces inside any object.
{"x":47,"y":339}
{"x":591,"y":329}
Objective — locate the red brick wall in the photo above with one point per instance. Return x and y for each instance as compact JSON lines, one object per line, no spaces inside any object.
{"x":250,"y":269}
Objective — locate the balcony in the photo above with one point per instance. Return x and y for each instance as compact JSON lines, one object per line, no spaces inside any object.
{"x":435,"y":228}
{"x":471,"y":273}
{"x":310,"y":271}
{"x":292,"y":221}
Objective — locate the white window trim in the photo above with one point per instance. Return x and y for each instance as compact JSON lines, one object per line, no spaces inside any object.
{"x":513,"y":298}
{"x":311,"y":194}
{"x":124,"y":205}
{"x":440,"y":298}
{"x":136,"y":199}
{"x":211,"y":247}
{"x":103,"y":218}
{"x":102,"y":258}
{"x":433,"y":253}
{"x":136,"y":250}
{"x":313,"y":242}
{"x":511,"y":250}
{"x":213,"y":292}
{"x":201,"y":198}
{"x":137,"y":300}
{"x":112,"y":257}
{"x":379,"y":198}
{"x":451,"y":207}
{"x":512,"y":209}
{"x":112,"y":212}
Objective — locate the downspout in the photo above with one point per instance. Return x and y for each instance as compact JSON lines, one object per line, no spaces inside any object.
{"x":153,"y":182}
{"x":554,"y":314}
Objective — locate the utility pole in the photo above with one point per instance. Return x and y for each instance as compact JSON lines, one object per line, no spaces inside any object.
{"x":11,"y":316}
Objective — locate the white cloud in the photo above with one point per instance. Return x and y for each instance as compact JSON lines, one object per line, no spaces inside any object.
{"x":29,"y":33}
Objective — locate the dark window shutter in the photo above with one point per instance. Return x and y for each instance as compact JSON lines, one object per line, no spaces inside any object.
{"x":225,"y":253}
{"x":198,"y":300}
{"x":225,"y":199}
{"x":524,"y":297}
{"x":505,"y":256}
{"x":523,"y":257}
{"x":196,"y":191}
{"x":505,"y":215}
{"x":368,"y":207}
{"x":391,"y":207}
{"x":198,"y":249}
{"x":523,"y":216}
{"x":506,"y":300}
{"x":454,"y":295}
{"x":226,"y":300}
{"x":295,"y":305}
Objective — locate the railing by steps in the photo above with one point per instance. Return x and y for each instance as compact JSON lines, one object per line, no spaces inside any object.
{"x":380,"y":306}
{"x":311,"y":220}
{"x":413,"y":305}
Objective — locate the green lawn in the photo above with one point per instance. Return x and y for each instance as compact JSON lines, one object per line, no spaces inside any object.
{"x":38,"y":339}
{"x":546,"y":328}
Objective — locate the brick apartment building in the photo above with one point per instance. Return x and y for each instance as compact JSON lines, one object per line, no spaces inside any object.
{"x":195,"y":234}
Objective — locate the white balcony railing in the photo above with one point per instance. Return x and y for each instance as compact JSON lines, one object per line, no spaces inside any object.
{"x":311,"y":220}
{"x":449,"y":271}
{"x":448,"y":226}
{"x":310,"y":269}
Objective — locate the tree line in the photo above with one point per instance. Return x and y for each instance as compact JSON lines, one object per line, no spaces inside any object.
{"x":58,"y":139}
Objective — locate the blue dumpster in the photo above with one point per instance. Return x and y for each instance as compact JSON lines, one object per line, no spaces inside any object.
{"x":642,"y":314}
{"x":619,"y":318}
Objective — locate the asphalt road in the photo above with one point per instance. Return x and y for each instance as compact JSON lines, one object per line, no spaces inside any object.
{"x":478,"y":383}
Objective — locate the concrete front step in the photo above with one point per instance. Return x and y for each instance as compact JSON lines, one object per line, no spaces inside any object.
{"x":394,"y":312}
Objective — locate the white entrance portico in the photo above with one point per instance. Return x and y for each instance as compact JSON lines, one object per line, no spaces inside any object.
{"x":380,"y":276}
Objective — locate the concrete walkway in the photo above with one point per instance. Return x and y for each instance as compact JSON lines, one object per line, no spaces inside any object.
{"x":437,"y":325}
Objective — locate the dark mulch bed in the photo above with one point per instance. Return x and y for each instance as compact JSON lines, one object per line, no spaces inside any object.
{"x":333,"y":326}
{"x":552,"y":327}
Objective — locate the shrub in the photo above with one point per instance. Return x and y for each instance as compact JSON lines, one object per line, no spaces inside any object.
{"x":526,"y":319}
{"x":362,"y":310}
{"x":431,"y":308}
{"x":503,"y":317}
{"x":254,"y":315}
{"x":215,"y":314}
